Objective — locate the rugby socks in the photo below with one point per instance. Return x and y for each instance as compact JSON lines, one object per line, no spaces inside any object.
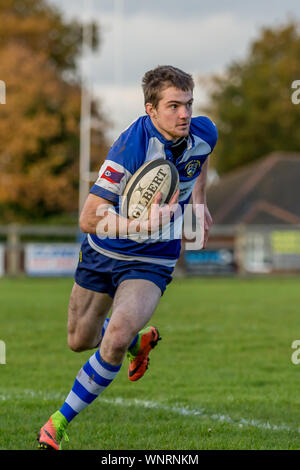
{"x":92,"y":379}
{"x":105,"y":324}
{"x":134,"y":341}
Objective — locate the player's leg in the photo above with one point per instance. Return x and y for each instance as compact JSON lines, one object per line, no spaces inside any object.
{"x":90,"y":299}
{"x":87,"y":312}
{"x":134,"y":304}
{"x":97,"y":374}
{"x":136,"y":298}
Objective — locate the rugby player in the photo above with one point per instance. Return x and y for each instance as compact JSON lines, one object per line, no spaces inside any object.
{"x":121,"y":274}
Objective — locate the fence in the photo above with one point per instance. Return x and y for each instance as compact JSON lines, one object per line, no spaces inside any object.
{"x":252,"y":249}
{"x":232,"y":250}
{"x":38,"y":250}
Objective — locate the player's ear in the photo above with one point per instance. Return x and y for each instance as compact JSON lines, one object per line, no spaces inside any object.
{"x":150,"y":110}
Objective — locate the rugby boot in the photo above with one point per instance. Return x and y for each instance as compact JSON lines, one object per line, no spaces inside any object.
{"x":52,"y":433}
{"x":138,"y":355}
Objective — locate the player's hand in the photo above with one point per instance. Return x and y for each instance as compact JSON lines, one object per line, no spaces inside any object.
{"x":161,"y":215}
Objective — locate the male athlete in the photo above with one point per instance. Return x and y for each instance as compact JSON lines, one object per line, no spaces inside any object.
{"x":120,"y":273}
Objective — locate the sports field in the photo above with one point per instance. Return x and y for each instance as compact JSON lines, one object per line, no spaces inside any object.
{"x":222,"y":378}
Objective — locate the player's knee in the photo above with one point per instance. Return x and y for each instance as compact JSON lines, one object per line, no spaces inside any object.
{"x":76,"y":344}
{"x":115,"y":343}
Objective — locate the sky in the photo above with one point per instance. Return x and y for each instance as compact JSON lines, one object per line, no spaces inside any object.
{"x":200,"y":37}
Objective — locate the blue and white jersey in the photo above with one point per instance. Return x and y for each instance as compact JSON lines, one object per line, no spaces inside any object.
{"x":138,"y":144}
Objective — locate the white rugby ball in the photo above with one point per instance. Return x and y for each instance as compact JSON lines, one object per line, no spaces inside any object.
{"x":155,"y":175}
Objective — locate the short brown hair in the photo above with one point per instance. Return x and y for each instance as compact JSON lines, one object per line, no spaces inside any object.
{"x":162,"y":77}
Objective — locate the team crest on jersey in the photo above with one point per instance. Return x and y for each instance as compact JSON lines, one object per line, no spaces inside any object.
{"x":191,"y":167}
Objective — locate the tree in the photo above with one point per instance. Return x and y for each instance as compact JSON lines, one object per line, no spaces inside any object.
{"x":42,"y":28}
{"x":251,"y":103}
{"x":39,"y":124}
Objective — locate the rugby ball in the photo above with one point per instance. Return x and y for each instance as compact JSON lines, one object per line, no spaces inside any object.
{"x":140,"y":191}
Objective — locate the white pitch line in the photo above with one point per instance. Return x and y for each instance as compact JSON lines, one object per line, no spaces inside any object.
{"x":185,"y":411}
{"x":176,"y":409}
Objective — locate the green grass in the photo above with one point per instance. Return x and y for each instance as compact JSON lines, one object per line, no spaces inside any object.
{"x":222,"y":372}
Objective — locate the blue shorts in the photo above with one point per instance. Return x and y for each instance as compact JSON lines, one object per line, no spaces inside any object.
{"x":100,"y":273}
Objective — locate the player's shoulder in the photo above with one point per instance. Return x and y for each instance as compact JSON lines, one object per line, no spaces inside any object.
{"x":133,"y":133}
{"x":129,"y":147}
{"x":205,"y":128}
{"x":203,"y":123}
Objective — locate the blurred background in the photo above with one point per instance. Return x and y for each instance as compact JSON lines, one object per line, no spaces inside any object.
{"x":70,"y":75}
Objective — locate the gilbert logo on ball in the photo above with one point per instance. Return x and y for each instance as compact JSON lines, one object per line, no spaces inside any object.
{"x":158,"y":175}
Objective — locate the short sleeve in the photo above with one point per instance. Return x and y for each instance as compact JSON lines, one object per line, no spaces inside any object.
{"x":111,"y":181}
{"x":124,"y":158}
{"x":206,"y":129}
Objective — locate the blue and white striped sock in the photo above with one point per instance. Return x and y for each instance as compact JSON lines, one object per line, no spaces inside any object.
{"x":90,"y":381}
{"x":105,"y":325}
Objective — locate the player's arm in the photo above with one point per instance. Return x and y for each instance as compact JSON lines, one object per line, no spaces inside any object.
{"x":199,"y":197}
{"x":89,"y":219}
{"x":99,"y":218}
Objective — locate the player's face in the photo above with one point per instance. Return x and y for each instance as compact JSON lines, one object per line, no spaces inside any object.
{"x":172,"y":116}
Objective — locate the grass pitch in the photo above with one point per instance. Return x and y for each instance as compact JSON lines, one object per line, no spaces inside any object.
{"x":222,"y":378}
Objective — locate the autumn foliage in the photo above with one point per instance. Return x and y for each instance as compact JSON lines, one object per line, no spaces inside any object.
{"x":252,"y":101}
{"x":39,"y":124}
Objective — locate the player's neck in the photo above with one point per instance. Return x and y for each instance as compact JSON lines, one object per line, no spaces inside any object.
{"x":164,"y":133}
